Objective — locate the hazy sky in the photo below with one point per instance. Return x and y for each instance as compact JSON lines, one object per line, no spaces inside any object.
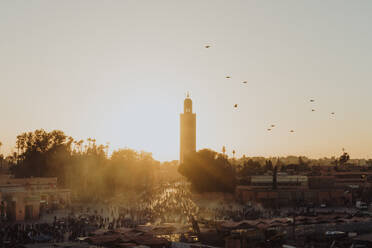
{"x":118,"y":71}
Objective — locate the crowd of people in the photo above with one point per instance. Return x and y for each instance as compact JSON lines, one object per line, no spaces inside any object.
{"x":78,"y":224}
{"x":66,"y":229}
{"x":173,"y":203}
{"x":167,"y":203}
{"x":228,"y":212}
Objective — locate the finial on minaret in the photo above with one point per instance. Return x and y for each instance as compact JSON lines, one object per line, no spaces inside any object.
{"x":188,"y":95}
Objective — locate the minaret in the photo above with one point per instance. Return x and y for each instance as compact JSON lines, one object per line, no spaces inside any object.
{"x":188,"y":129}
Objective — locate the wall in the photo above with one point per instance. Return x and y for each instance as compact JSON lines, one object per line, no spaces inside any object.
{"x":280,"y":197}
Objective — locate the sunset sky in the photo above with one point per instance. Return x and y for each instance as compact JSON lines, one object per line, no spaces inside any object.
{"x":118,"y":71}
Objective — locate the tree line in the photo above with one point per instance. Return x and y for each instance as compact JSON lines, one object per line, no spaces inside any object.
{"x":87,"y":169}
{"x":81,"y":165}
{"x":209,"y":170}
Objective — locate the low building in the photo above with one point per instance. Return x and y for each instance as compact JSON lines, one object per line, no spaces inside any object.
{"x":290,"y":197}
{"x":22,"y":198}
{"x":283,"y":180}
{"x":288,"y":190}
{"x":345,"y":179}
{"x":321,"y":182}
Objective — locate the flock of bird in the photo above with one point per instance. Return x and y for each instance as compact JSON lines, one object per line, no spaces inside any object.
{"x":272,"y":125}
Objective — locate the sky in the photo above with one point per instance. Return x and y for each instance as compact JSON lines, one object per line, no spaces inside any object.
{"x":118,"y":71}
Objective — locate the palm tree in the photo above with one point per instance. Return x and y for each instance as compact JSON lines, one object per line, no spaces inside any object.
{"x":107,"y":147}
{"x":15,"y":157}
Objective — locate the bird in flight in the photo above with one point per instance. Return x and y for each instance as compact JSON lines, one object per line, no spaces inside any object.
{"x":269,"y":129}
{"x":244,"y":82}
{"x":235,"y":105}
{"x":207,"y":46}
{"x":292,"y":131}
{"x":272,"y":125}
{"x":332,"y":113}
{"x":312,"y":110}
{"x":228,"y":77}
{"x":312,"y":100}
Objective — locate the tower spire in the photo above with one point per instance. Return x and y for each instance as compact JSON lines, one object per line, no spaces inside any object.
{"x":188,"y":129}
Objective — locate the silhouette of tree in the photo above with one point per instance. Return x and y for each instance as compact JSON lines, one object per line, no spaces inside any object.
{"x":42,"y":154}
{"x":280,"y":165}
{"x":131,"y":170}
{"x":344,"y":158}
{"x":369,"y":163}
{"x":275,"y":177}
{"x":250,"y":168}
{"x":209,"y":171}
{"x":268,"y":166}
{"x":85,"y":169}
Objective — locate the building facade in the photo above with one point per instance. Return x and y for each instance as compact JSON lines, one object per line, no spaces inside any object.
{"x":291,"y":196}
{"x":282,"y":181}
{"x":23,"y":198}
{"x":188,"y":130}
